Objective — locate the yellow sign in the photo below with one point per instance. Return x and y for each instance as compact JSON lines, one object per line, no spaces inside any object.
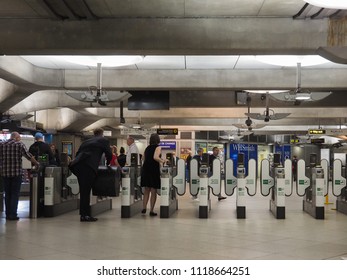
{"x":316,"y":131}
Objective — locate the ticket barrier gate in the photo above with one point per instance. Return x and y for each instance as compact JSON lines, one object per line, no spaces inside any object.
{"x":339,"y":187}
{"x":173,"y":183}
{"x":58,"y":196}
{"x":201,"y":183}
{"x":314,"y":187}
{"x":243,"y":184}
{"x":278,"y":181}
{"x":131,"y":190}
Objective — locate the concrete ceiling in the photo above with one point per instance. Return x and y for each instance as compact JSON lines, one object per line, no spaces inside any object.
{"x":202,"y":51}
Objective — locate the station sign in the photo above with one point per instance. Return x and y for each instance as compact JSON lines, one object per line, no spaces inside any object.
{"x":316,"y":131}
{"x":167,"y":131}
{"x":168,"y":145}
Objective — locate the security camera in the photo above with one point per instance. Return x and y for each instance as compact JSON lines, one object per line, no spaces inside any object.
{"x":248,"y":122}
{"x":263,"y":97}
{"x":267,"y":119}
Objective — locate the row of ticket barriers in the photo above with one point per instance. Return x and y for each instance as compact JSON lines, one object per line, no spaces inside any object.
{"x":54,"y":190}
{"x":276,"y":181}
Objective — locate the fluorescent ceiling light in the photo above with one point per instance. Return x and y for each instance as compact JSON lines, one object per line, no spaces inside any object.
{"x":266,"y":91}
{"x":330,"y":4}
{"x":106,"y":61}
{"x":291,"y":60}
{"x":303,"y":96}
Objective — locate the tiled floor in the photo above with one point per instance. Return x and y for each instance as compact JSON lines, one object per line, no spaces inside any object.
{"x":183,"y":236}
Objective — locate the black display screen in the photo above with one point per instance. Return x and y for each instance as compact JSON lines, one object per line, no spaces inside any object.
{"x":149,"y":100}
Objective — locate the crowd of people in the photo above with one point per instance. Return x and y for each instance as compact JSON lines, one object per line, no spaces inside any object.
{"x":89,"y":156}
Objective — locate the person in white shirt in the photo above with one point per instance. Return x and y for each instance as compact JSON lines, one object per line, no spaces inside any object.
{"x":132,"y":149}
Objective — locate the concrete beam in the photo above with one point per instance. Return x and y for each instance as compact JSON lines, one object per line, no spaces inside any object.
{"x":163,"y":36}
{"x":20,"y":72}
{"x":210,"y":79}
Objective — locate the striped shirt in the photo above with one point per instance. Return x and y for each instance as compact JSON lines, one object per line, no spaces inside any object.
{"x":11,"y":153}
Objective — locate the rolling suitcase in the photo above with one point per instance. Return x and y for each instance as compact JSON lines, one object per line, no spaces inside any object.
{"x":107,"y":182}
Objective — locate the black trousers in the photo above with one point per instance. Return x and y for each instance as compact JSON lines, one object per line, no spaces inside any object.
{"x":86,"y":178}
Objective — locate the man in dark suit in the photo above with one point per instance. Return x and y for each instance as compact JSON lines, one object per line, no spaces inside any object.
{"x":86,"y":166}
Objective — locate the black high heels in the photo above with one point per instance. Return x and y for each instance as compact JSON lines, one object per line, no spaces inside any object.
{"x":88,"y":219}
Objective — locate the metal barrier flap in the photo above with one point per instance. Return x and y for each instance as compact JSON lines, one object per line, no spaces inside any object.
{"x":302,"y":182}
{"x":339,"y":182}
{"x":194,"y":177}
{"x":251,"y":179}
{"x":179,"y":181}
{"x":266,"y":181}
{"x":230,"y":181}
{"x":214,"y":180}
{"x":288,"y":175}
{"x":72,"y":182}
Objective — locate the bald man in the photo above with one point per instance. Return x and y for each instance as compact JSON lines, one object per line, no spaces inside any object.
{"x":11,"y":153}
{"x":132,"y":149}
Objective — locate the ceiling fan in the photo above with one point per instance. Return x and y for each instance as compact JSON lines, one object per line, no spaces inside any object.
{"x":268,"y":114}
{"x":299,"y":94}
{"x":96,"y":94}
{"x":249,"y":124}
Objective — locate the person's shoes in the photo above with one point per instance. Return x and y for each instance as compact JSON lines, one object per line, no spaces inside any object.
{"x":88,"y":219}
{"x":221,"y":198}
{"x":12,"y":218}
{"x":152,"y":214}
{"x":143,"y":211}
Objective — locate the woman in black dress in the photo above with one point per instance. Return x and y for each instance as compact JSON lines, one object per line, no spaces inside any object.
{"x":150,"y":177}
